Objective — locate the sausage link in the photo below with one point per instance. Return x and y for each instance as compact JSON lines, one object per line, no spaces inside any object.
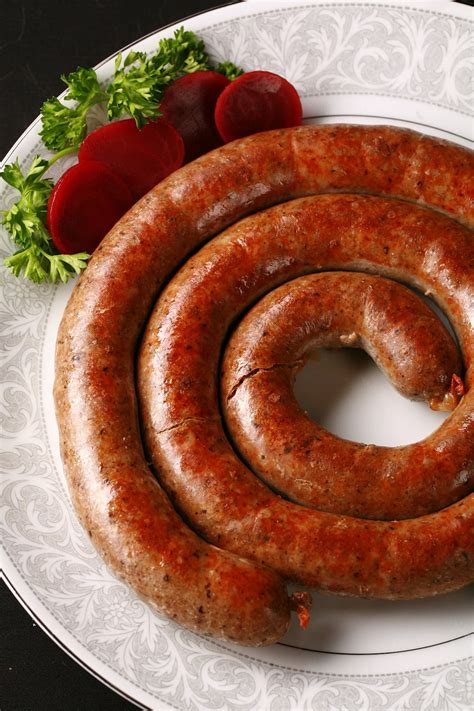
{"x":117,"y":499}
{"x":301,"y":459}
{"x":178,"y":384}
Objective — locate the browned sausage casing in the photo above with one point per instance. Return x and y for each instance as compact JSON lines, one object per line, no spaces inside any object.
{"x":301,"y":459}
{"x":116,"y":497}
{"x":179,"y":387}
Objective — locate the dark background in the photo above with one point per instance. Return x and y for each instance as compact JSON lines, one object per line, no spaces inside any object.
{"x":39,"y":41}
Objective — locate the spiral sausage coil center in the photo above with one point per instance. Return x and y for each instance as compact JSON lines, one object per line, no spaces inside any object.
{"x":336,"y":216}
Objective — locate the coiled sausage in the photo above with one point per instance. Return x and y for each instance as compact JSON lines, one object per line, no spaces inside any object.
{"x":178,"y":382}
{"x":117,"y":499}
{"x":301,"y":459}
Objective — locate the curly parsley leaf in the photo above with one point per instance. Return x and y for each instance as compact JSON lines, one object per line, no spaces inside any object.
{"x":64,"y":266}
{"x":133,"y":90}
{"x":30,"y":262}
{"x":37,"y":257}
{"x":139,"y":83}
{"x":83,"y":85}
{"x":63,"y":126}
{"x":184,"y":53}
{"x":229,"y":70}
{"x":39,"y":266}
{"x":25,"y":219}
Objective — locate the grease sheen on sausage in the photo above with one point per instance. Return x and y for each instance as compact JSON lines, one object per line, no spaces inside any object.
{"x":298,"y":457}
{"x":178,"y":382}
{"x":116,"y":497}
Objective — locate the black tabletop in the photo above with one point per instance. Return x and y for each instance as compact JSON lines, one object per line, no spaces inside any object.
{"x":39,"y":41}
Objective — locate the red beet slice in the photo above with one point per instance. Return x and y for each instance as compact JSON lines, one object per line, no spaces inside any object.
{"x":83,"y":206}
{"x":257,"y":101}
{"x":189,"y":103}
{"x":140,"y":156}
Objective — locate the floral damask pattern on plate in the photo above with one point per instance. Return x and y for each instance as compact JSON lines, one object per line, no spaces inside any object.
{"x":327,"y":49}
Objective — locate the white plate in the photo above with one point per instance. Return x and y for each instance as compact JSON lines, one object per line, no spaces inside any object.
{"x":351,"y":61}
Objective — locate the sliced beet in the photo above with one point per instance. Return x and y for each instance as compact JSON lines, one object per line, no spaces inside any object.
{"x":254,"y":102}
{"x":83,"y":206}
{"x":189,"y":103}
{"x":140,"y":156}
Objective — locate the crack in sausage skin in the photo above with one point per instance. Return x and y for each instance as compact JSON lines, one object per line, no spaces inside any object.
{"x":197,"y":463}
{"x":302,"y":460}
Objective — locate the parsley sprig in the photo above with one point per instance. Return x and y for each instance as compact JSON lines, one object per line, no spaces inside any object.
{"x":135,"y":90}
{"x":37,"y":257}
{"x":139,"y":83}
{"x":62,"y":126}
{"x":229,"y":70}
